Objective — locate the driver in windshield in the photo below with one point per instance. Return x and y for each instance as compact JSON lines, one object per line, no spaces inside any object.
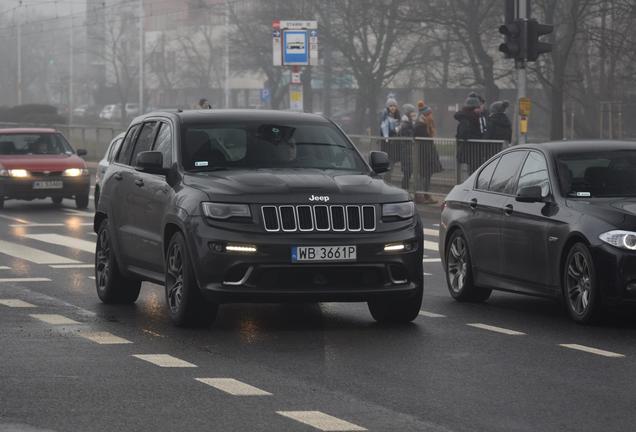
{"x":39,"y":147}
{"x":285,"y":151}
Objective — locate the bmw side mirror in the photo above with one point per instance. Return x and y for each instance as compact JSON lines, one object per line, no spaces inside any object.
{"x":379,"y":162}
{"x":81,"y":152}
{"x":530,"y":194}
{"x":150,"y":162}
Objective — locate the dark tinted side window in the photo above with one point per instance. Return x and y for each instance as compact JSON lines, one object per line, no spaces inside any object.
{"x":127,"y":146}
{"x":114,"y":148}
{"x":535,"y":173}
{"x":163,"y":143}
{"x":145,"y":140}
{"x":485,"y":175}
{"x":504,"y":179}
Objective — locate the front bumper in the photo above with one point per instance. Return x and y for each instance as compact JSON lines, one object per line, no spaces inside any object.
{"x":616,"y":273}
{"x":23,"y":188}
{"x":270,"y":275}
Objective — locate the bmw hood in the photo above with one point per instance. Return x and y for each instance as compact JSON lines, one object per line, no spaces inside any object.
{"x":618,"y":212}
{"x":294,"y":186}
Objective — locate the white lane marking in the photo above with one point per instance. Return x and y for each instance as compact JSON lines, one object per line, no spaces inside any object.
{"x":25,"y":280}
{"x":429,"y":245}
{"x":593,"y":350}
{"x":79,"y":213}
{"x":164,"y":360}
{"x":16,"y":303}
{"x":22,"y":221}
{"x":53,"y":319}
{"x":5,"y":268}
{"x":71,"y":266}
{"x":431,"y":314}
{"x":62,"y":240}
{"x":321,"y":421}
{"x":36,"y":225}
{"x":92,"y":277}
{"x":233,"y":387}
{"x":431,"y":260}
{"x":436,"y":225}
{"x":496,"y":329}
{"x":105,"y":338}
{"x":428,"y":274}
{"x":31,"y":254}
{"x":430,"y":232}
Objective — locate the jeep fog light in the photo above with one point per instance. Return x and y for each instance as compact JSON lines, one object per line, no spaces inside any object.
{"x":398,"y":247}
{"x":242,"y":248}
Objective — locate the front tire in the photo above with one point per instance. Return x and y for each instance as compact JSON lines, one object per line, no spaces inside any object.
{"x":399,"y":310}
{"x":186,"y":305}
{"x":459,"y":272}
{"x":112,"y":286}
{"x":81,"y":201}
{"x":580,"y":285}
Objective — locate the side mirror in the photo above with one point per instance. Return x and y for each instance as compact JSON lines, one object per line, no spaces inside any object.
{"x":530,"y":194}
{"x":81,"y":152}
{"x":150,"y":162}
{"x":379,"y":162}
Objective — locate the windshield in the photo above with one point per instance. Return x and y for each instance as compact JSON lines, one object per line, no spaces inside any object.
{"x":598,"y":174}
{"x":258,"y":145}
{"x":33,"y":144}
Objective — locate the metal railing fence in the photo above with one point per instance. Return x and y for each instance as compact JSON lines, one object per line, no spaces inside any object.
{"x":432,"y":165}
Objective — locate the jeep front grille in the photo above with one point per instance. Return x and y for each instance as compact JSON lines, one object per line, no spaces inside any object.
{"x":306,"y":218}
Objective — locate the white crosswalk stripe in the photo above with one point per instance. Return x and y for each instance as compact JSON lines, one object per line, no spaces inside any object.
{"x":233,"y":387}
{"x":25,"y":279}
{"x":63,"y":240}
{"x":53,"y":319}
{"x":71,"y":266}
{"x":321,"y":421}
{"x":31,"y":254}
{"x":164,"y":360}
{"x":104,"y":338}
{"x":16,"y":303}
{"x":592,"y":350}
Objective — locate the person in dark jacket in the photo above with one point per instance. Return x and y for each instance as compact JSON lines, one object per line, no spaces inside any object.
{"x":483,"y":112}
{"x":424,"y":132}
{"x":389,"y":127}
{"x":499,"y":125}
{"x":468,"y":128}
{"x":405,"y":147}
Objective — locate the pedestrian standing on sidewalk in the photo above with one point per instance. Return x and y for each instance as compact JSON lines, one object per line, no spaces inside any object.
{"x":499,"y":125}
{"x":389,"y":127}
{"x":468,"y":128}
{"x":424,"y":132}
{"x":483,"y":113}
{"x":405,"y":146}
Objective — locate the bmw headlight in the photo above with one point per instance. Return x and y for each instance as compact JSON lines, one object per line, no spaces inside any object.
{"x":222,"y":211}
{"x":620,"y":239}
{"x":75,"y":172}
{"x":402,"y":210}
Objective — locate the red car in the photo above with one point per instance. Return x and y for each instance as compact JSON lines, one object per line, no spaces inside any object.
{"x":40,"y":163}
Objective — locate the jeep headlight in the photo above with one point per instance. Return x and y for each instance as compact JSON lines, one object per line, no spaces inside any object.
{"x":402,"y":210}
{"x":620,"y":239}
{"x":223,"y":211}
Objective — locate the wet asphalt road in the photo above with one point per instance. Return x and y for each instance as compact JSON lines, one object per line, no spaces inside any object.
{"x":497,"y":366}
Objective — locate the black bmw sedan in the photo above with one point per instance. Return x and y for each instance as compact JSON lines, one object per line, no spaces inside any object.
{"x":556,"y":219}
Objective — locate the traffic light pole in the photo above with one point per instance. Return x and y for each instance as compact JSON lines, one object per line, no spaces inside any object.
{"x":522,"y":75}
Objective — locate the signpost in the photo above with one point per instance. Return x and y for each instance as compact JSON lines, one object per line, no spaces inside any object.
{"x":295,"y":44}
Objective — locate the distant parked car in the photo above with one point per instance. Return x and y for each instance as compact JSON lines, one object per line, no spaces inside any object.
{"x":132,"y":110}
{"x":103,"y":164}
{"x":86,"y":112}
{"x":110,"y":112}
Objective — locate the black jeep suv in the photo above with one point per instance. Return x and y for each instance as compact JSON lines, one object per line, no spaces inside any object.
{"x":254,"y":206}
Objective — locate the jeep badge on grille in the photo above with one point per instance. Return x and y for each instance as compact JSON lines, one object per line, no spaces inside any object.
{"x":323,"y":198}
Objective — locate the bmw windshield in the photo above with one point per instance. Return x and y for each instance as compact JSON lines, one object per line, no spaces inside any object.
{"x":600,"y":174}
{"x":210,"y":147}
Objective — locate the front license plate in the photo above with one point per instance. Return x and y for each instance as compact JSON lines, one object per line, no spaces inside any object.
{"x":323,"y":253}
{"x":50,"y":184}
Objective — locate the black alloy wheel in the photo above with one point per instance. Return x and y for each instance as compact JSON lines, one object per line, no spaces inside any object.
{"x":459,"y":273}
{"x":580,"y":287}
{"x":186,"y":305}
{"x":111,"y":285}
{"x":81,"y":201}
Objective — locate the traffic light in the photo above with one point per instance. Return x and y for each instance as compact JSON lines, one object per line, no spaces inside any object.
{"x":535,"y":46}
{"x":513,"y":46}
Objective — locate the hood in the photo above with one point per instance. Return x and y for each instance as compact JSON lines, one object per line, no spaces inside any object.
{"x":293,"y":185}
{"x":55,"y":162}
{"x":619,"y":212}
{"x":460,"y":115}
{"x":500,"y":119}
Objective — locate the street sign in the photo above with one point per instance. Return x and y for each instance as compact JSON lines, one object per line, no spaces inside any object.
{"x":295,"y":47}
{"x":525,"y":105}
{"x":265,"y":95}
{"x":295,"y":42}
{"x":296,"y":97}
{"x":295,"y":78}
